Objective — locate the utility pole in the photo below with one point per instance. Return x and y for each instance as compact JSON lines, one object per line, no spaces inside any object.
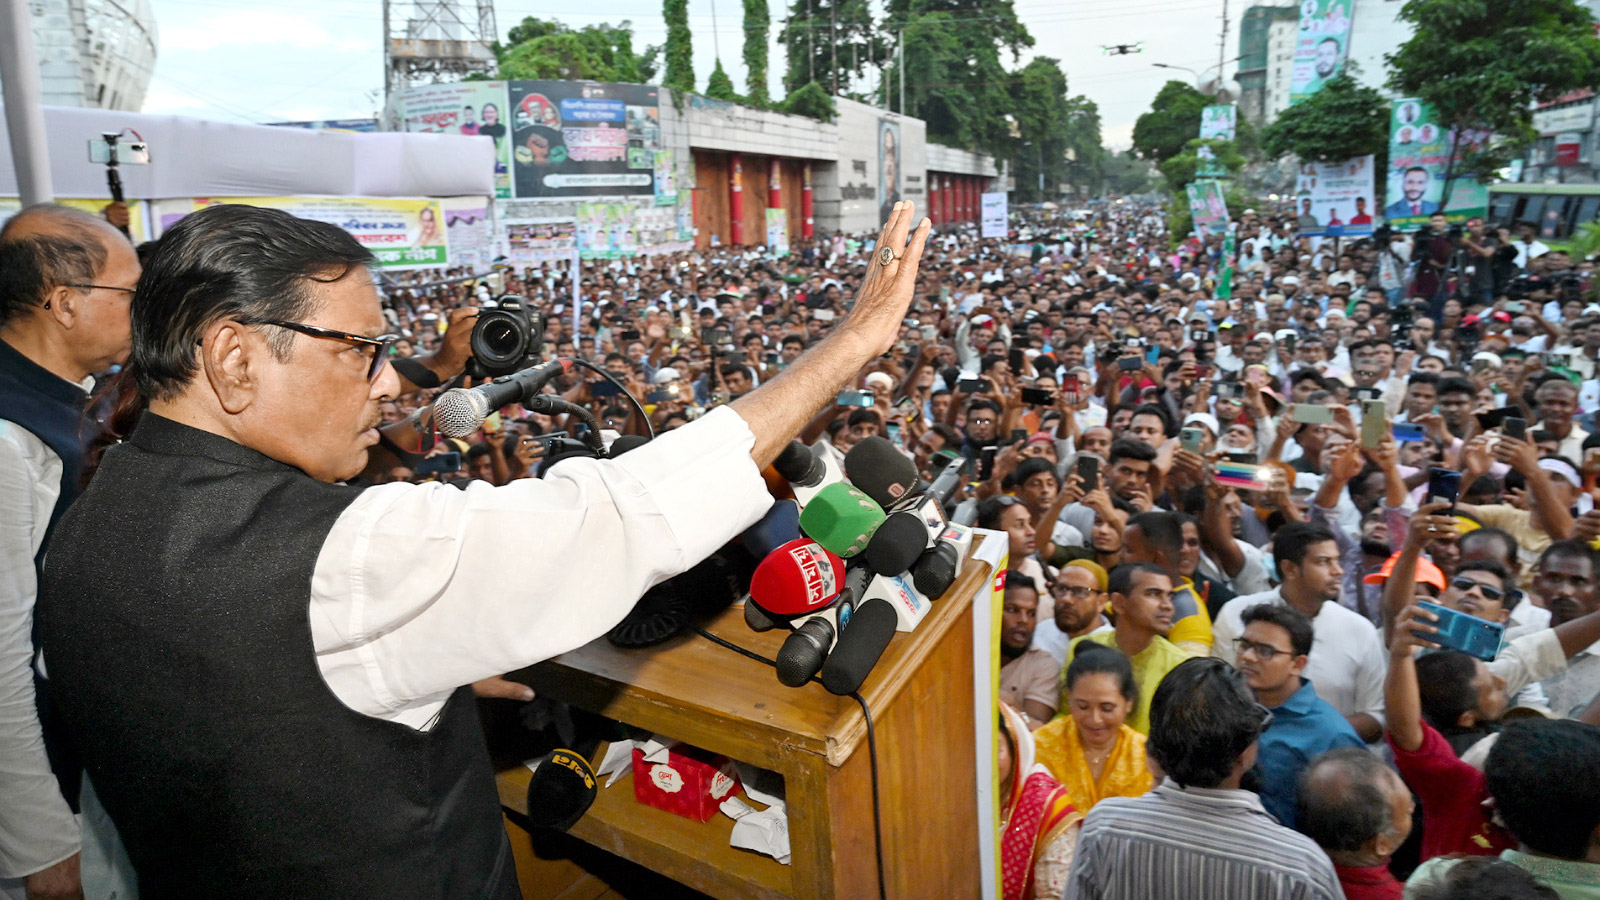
{"x":19,"y":79}
{"x":811,"y":45}
{"x":1222,"y":45}
{"x":833,"y":44}
{"x":902,"y":70}
{"x":716,"y":46}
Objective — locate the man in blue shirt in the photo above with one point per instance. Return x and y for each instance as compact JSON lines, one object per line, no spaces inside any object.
{"x":1272,"y":652}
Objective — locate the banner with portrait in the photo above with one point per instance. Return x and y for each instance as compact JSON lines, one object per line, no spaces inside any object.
{"x":530,"y":241}
{"x":584,"y":138}
{"x":992,"y":215}
{"x":1219,"y":122}
{"x":1335,"y":199}
{"x":623,"y":230}
{"x":778,"y":232}
{"x":1208,"y":208}
{"x":889,"y":181}
{"x":1322,"y":44}
{"x":1419,"y":156}
{"x":463,"y":107}
{"x":666,"y":172}
{"x":401,"y":233}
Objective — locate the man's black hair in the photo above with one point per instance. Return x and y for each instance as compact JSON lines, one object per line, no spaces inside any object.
{"x":1493,"y":566}
{"x":1488,"y":534}
{"x":1016,"y":579}
{"x":1120,"y":581}
{"x":983,"y":403}
{"x":1445,"y":689}
{"x":1160,"y":412}
{"x":1162,"y":531}
{"x":734,"y":369}
{"x":1130,"y":448}
{"x":1202,"y":718}
{"x":1455,"y":385}
{"x":1030,"y":467}
{"x":233,"y":262}
{"x":1541,"y":774}
{"x":989,"y":361}
{"x":1291,"y":542}
{"x":864,"y":415}
{"x":1340,"y":803}
{"x":33,"y":265}
{"x":1569,"y":548}
{"x":1289,"y":619}
{"x":793,"y":339}
{"x":1420,"y":377}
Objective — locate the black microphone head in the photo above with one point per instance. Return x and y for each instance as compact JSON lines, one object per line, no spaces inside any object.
{"x":625,"y":443}
{"x":896,"y":544}
{"x":804,"y":651}
{"x":935,"y":570}
{"x":757,"y":618}
{"x":561,"y":790}
{"x":798,"y":465}
{"x":860,"y":644}
{"x":880,"y":470}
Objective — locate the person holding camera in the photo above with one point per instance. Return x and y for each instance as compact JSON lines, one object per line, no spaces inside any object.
{"x":264,"y":667}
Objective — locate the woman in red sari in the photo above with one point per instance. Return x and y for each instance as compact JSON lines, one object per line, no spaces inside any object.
{"x":1038,"y":825}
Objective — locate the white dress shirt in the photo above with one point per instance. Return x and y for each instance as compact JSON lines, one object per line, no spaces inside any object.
{"x":420,"y":589}
{"x":37,"y":829}
{"x":1347,"y":663}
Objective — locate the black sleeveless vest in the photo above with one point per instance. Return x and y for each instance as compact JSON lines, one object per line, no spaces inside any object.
{"x":174,"y":615}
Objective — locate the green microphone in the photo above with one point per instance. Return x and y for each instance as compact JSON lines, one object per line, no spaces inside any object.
{"x":841,"y":518}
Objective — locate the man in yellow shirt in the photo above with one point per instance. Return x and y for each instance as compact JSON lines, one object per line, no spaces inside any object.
{"x":1141,"y":597}
{"x":1156,"y":537}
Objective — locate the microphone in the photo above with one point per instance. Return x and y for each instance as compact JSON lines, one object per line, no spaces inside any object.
{"x":896,"y":544}
{"x":861,"y":642}
{"x":841,"y":518}
{"x":562,"y":789}
{"x":460,"y":411}
{"x":806,"y":471}
{"x":797,"y":578}
{"x":880,"y":470}
{"x":936,"y":569}
{"x":804,"y":652}
{"x":948,"y":482}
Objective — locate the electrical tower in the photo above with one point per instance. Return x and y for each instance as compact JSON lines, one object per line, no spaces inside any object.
{"x":436,"y":40}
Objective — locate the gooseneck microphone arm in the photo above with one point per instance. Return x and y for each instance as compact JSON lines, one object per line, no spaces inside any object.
{"x":551,"y":405}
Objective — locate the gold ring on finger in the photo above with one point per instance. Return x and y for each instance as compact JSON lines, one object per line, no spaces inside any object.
{"x":886,"y":255}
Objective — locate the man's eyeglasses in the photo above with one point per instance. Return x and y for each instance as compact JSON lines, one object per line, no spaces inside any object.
{"x":1263,"y":652}
{"x":380,"y":345}
{"x":1073,"y":591}
{"x":1489,"y":592}
{"x":100,"y":287}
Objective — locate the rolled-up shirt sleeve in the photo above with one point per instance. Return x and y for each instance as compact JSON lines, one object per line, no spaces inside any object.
{"x":420,"y":589}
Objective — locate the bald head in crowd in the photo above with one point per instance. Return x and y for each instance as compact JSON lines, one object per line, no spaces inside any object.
{"x":66,"y":284}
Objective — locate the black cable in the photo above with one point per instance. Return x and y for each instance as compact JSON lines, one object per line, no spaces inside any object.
{"x":550,"y":405}
{"x":872,"y":747}
{"x":649,"y":431}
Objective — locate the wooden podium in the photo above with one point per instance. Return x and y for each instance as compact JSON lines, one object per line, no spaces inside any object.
{"x":705,"y":695}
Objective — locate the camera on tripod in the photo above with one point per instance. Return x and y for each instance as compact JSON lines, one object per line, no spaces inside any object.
{"x":507,"y":337}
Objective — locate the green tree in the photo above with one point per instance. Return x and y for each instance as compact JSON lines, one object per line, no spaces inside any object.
{"x":810,"y":100}
{"x":720,"y":86}
{"x":955,"y":79}
{"x":1483,"y":65}
{"x":1086,"y":155}
{"x":831,"y":42}
{"x":1343,"y":120}
{"x":1180,"y":170}
{"x":1040,"y":106}
{"x":1126,"y":173}
{"x":680,"y":47}
{"x":1172,"y":122}
{"x":757,"y":22}
{"x":536,"y":48}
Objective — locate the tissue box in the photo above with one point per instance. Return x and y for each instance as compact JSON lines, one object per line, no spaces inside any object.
{"x":690,"y":782}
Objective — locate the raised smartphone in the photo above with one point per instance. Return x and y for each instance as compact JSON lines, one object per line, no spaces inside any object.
{"x":1459,"y":631}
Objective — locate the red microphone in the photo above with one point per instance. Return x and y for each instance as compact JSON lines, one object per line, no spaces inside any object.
{"x":796,"y":579}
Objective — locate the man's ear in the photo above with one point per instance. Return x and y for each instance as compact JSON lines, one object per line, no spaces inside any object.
{"x":230,"y":355}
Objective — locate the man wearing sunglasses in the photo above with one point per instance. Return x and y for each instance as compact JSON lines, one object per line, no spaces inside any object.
{"x":266,"y":668}
{"x":66,"y":279}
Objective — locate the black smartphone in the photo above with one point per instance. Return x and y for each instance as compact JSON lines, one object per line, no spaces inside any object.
{"x":1037,"y":396}
{"x":1130,"y":363}
{"x":1248,"y":459}
{"x":1018,"y":436}
{"x":1444,"y":486}
{"x":1516,"y":427}
{"x":986,"y":463}
{"x":1089,"y":471}
{"x":629,"y":335}
{"x":712,"y":337}
{"x":1226,"y":390}
{"x":1494,"y":418}
{"x":659,"y":397}
{"x":603,"y":388}
{"x":438,"y":465}
{"x":974,"y":386}
{"x":943,"y":458}
{"x":1015,"y":358}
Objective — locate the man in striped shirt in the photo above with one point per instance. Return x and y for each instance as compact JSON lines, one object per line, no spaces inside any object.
{"x":1198,"y":836}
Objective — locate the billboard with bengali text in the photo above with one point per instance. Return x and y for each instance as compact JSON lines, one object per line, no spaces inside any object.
{"x":464,"y":107}
{"x":1322,"y":44}
{"x":1419,"y":156}
{"x":584,"y":138}
{"x":401,"y":233}
{"x":1335,"y":199}
{"x":1208,"y":207}
{"x":1219,"y":122}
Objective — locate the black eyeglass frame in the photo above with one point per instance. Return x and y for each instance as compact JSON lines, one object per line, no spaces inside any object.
{"x":381,"y":344}
{"x":100,"y":287}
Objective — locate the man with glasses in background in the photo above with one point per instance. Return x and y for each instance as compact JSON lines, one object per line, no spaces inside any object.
{"x":66,"y":282}
{"x":1079,"y":591}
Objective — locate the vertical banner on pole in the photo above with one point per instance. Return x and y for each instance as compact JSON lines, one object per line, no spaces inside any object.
{"x":808,"y":226}
{"x":994,"y":215}
{"x":736,"y":199}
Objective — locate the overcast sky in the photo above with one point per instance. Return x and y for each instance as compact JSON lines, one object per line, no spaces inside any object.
{"x":322,"y":59}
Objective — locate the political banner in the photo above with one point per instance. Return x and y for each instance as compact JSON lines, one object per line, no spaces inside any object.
{"x":1419,"y":156}
{"x":1336,"y":199}
{"x":1208,"y":165}
{"x":778,"y":232}
{"x":1225,"y":280}
{"x":622,"y":231}
{"x":401,"y":233}
{"x":1321,"y":46}
{"x":531,"y":241}
{"x":584,"y":138}
{"x":666,"y":172}
{"x":469,"y":225}
{"x":1219,"y":122}
{"x":993,"y":218}
{"x":1208,"y":208}
{"x":463,"y":107}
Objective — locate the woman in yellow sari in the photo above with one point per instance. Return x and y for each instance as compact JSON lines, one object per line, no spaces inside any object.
{"x":1038,"y":826}
{"x":1090,"y":749}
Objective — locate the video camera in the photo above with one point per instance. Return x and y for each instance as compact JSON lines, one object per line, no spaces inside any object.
{"x":506,"y":338}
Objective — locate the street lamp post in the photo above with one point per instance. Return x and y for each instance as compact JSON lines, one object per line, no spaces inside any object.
{"x":1199,"y":77}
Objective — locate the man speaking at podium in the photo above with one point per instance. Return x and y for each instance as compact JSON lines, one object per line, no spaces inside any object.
{"x":264,"y":667}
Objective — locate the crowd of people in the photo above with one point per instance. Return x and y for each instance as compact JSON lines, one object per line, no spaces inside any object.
{"x":1224,"y":672}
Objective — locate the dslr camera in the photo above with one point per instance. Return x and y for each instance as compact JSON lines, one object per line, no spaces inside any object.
{"x":506,"y":338}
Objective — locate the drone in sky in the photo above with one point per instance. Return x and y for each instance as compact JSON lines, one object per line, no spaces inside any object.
{"x":1121,"y":49}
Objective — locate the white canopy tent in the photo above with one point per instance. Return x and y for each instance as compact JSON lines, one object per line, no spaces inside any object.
{"x":200,"y":158}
